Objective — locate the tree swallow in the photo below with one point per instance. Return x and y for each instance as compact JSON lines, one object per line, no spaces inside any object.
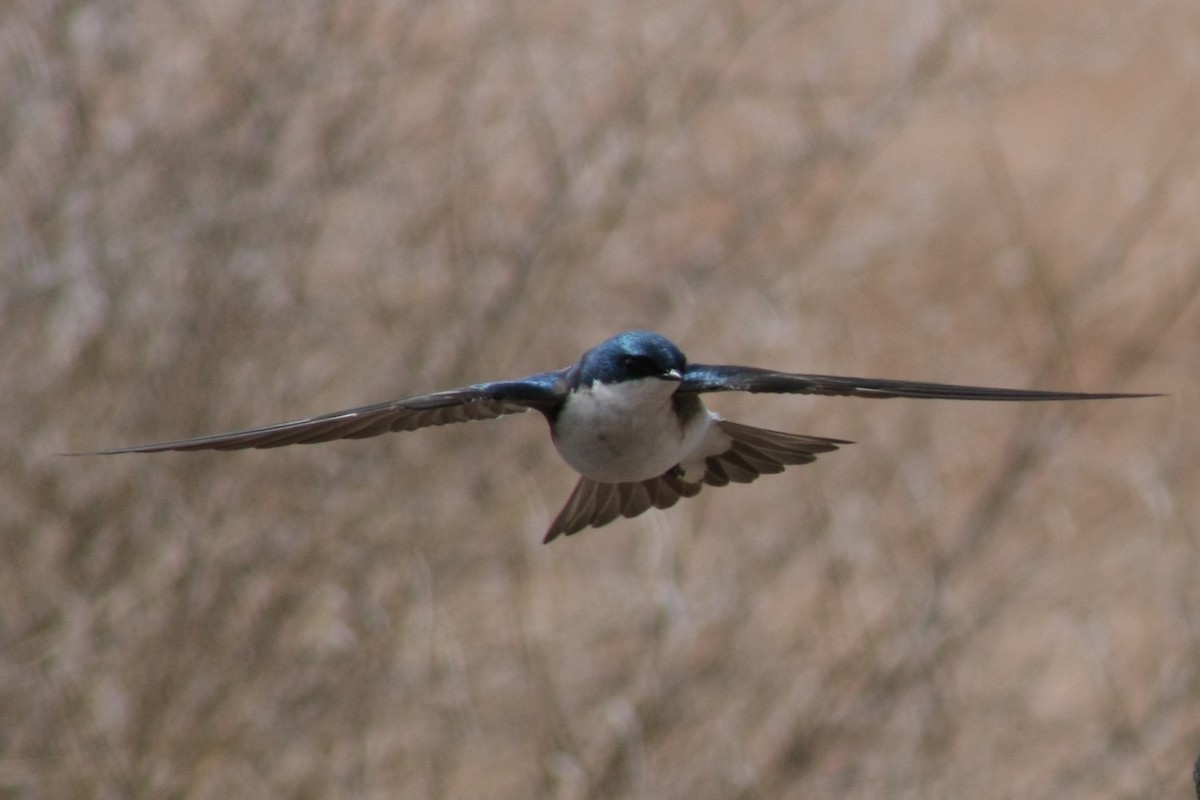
{"x":627,"y":417}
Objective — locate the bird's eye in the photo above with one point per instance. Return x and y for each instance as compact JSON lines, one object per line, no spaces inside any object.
{"x":639,"y":365}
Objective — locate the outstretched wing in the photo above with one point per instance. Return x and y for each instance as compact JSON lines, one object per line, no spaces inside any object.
{"x":720,"y":378}
{"x":748,"y":452}
{"x":481,"y":401}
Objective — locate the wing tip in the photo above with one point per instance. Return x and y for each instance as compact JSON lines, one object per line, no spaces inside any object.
{"x":117,"y":451}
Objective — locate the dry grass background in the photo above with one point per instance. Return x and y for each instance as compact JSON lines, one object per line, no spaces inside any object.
{"x":214,"y":215}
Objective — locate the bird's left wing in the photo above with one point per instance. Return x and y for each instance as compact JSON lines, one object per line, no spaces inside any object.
{"x":481,"y":401}
{"x":723,"y":378}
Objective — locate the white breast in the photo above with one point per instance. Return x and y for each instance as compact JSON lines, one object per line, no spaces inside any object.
{"x":626,"y":431}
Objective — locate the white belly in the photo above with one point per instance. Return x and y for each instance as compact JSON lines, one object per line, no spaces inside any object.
{"x":627,"y":431}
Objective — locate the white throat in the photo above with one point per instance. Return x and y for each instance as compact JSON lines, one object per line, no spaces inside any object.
{"x":628,"y":431}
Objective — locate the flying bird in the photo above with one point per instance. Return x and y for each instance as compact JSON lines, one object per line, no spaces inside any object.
{"x":628,"y":417}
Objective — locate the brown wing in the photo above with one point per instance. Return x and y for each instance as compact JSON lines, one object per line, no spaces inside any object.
{"x":718,"y":378}
{"x":482,"y":401}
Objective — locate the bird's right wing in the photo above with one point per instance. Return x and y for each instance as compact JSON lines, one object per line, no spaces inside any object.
{"x":481,"y":401}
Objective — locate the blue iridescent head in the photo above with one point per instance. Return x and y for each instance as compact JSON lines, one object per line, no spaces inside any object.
{"x":632,"y":355}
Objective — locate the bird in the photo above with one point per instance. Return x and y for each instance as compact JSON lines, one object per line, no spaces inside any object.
{"x":627,"y":416}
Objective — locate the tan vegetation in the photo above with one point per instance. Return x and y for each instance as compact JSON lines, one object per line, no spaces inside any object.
{"x":217,"y":215}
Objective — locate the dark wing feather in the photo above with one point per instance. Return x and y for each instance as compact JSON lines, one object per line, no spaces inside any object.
{"x":752,"y":452}
{"x":482,"y":401}
{"x":758,"y":451}
{"x":718,"y":378}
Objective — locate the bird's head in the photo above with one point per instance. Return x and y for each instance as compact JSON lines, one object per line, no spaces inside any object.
{"x":631,"y":356}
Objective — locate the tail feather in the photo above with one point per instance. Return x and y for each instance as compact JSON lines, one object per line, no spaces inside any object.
{"x":750,"y":452}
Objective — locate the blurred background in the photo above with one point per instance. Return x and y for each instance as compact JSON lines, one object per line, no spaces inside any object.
{"x":220,"y":215}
